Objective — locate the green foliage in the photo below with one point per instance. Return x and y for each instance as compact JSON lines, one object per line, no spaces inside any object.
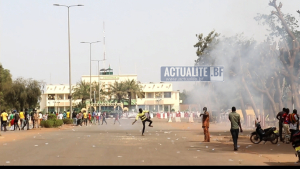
{"x":57,"y":123}
{"x":68,"y":121}
{"x":47,"y":123}
{"x":51,"y":117}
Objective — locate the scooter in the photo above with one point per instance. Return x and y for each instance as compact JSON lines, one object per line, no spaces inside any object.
{"x":269,"y":134}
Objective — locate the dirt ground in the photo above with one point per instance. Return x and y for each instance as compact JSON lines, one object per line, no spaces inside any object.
{"x":164,"y":144}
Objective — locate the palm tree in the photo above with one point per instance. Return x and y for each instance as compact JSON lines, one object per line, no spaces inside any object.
{"x":133,"y":89}
{"x":117,"y":91}
{"x":82,"y":91}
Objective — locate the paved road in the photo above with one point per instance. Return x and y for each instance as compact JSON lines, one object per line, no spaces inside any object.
{"x":164,"y":144}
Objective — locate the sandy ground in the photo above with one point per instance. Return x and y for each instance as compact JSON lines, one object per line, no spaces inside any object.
{"x":164,"y":144}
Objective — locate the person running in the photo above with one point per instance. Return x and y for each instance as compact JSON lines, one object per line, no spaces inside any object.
{"x":4,"y":118}
{"x":143,"y":117}
{"x":117,"y":118}
{"x":235,"y":126}
{"x":103,"y":118}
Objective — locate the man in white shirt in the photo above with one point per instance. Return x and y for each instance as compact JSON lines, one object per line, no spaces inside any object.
{"x":60,"y":116}
{"x":40,"y":117}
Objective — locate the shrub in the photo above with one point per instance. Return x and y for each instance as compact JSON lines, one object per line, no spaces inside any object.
{"x":68,"y":121}
{"x":47,"y":123}
{"x":57,"y":123}
{"x":51,"y":117}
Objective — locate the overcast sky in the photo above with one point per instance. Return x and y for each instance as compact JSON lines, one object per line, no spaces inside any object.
{"x":141,"y":35}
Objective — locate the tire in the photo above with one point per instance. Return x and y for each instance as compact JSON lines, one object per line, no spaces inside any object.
{"x":254,"y":138}
{"x":274,"y":138}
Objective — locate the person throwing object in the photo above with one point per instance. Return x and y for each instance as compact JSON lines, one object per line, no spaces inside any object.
{"x":143,"y":117}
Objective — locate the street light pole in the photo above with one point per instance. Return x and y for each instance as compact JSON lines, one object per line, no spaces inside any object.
{"x":91,"y":71}
{"x":70,"y":94}
{"x":99,"y":80}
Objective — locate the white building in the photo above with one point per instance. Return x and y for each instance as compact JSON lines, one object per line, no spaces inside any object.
{"x":158,"y":96}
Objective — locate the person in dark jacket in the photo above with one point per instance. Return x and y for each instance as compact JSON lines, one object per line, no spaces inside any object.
{"x":280,"y":121}
{"x":16,"y":121}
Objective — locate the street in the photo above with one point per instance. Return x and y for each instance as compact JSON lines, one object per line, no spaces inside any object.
{"x":164,"y":144}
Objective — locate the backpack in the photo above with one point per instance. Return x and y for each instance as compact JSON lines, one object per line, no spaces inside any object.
{"x":292,"y":118}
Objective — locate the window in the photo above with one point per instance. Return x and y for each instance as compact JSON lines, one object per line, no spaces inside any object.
{"x":158,"y":95}
{"x":167,"y":94}
{"x":51,"y":96}
{"x":141,"y":96}
{"x":150,"y":95}
{"x":60,"y":97}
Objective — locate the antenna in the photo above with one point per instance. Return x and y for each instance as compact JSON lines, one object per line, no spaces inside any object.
{"x":104,"y":44}
{"x":119,"y":65}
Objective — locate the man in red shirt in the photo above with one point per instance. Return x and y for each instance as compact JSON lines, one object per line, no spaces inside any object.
{"x":286,"y":121}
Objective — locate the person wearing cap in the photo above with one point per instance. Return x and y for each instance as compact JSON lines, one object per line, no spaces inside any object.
{"x":205,"y":124}
{"x":143,"y":117}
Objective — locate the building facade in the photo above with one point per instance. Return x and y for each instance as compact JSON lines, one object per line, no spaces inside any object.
{"x":158,"y":97}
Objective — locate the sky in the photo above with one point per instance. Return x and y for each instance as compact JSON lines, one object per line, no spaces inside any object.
{"x":140,"y":35}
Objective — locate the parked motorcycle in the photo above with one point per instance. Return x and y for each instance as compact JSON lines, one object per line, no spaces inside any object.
{"x":269,"y":134}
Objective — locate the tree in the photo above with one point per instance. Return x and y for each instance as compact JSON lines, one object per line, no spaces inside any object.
{"x":284,"y":26}
{"x":133,"y":89}
{"x":33,"y":93}
{"x":82,"y":91}
{"x":118,"y":91}
{"x":5,"y":84}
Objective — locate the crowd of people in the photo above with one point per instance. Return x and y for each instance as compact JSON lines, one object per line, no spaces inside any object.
{"x":84,"y":117}
{"x":15,"y":120}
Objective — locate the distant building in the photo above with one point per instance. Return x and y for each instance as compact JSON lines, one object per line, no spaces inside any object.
{"x":157,"y":96}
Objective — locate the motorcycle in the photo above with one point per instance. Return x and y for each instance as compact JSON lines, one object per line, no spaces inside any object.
{"x":269,"y":134}
{"x":296,"y":144}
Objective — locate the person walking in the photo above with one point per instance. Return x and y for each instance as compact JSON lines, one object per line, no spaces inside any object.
{"x":74,"y":117}
{"x":143,"y":117}
{"x":235,"y":121}
{"x":117,"y":118}
{"x":16,"y":121}
{"x":280,"y":121}
{"x":85,"y":117}
{"x":79,"y":119}
{"x":22,"y":119}
{"x":94,"y":117}
{"x":90,"y":118}
{"x":4,"y":118}
{"x":103,"y":118}
{"x":68,"y":114}
{"x":205,"y":124}
{"x":1,"y":125}
{"x":32,"y":118}
{"x":26,"y":123}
